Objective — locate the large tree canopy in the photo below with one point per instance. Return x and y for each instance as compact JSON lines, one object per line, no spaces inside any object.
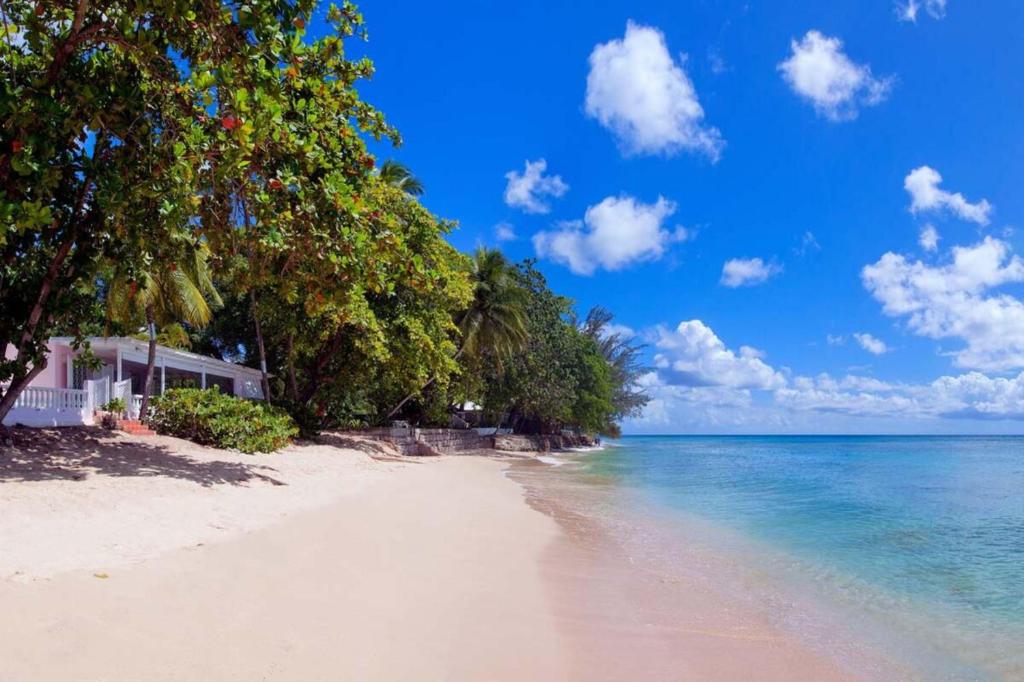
{"x":127,"y":124}
{"x":135,"y":133}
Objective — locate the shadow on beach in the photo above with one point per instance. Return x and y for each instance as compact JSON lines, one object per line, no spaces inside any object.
{"x":75,"y":453}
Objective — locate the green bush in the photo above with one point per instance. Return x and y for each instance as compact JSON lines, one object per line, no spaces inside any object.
{"x":116,"y":406}
{"x":209,"y":417}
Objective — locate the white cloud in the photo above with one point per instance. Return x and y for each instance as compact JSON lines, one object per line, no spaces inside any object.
{"x":907,"y":11}
{"x":622,"y":331}
{"x":953,"y":301}
{"x":740,"y":272}
{"x":821,"y":73}
{"x":978,"y":396}
{"x":929,"y":238}
{"x":967,"y":396}
{"x":838,"y":340}
{"x":700,"y":386}
{"x":527,"y":191}
{"x":850,"y":396}
{"x":826,"y":404}
{"x":505,"y":232}
{"x":923,"y":186}
{"x":807,"y":243}
{"x":871,"y":344}
{"x":861,"y":383}
{"x":638,"y":91}
{"x":692,"y":355}
{"x":614,"y":234}
{"x":693,"y":408}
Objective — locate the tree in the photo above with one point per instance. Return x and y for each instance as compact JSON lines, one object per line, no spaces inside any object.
{"x":494,"y":323}
{"x":289,"y":217}
{"x":171,"y":288}
{"x":398,"y":175}
{"x":345,"y":349}
{"x":622,"y":353}
{"x":567,"y":376}
{"x":107,"y":109}
{"x":80,"y":101}
{"x":534,"y":387}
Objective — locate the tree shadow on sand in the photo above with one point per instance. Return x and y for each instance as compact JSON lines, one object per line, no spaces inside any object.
{"x":76,"y":453}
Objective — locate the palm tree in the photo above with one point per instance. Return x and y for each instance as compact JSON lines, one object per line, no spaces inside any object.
{"x":398,"y":175}
{"x":495,"y":322}
{"x":169,"y":292}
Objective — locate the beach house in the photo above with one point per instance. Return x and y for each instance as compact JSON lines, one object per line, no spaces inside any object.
{"x":67,"y":393}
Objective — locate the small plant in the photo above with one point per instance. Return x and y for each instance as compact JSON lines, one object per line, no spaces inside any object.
{"x":115,"y":406}
{"x":210,"y":417}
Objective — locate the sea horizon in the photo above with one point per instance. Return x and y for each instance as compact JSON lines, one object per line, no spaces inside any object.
{"x":817,"y":435}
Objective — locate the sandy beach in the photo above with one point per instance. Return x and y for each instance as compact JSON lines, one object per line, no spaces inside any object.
{"x":156,"y":559}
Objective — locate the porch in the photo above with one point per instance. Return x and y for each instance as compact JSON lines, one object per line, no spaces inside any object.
{"x":68,"y":393}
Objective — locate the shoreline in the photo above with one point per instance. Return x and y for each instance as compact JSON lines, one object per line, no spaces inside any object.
{"x":625,"y":618}
{"x":349,"y":560}
{"x":863,"y":630}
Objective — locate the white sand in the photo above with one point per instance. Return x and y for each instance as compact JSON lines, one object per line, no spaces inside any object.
{"x":424,"y":569}
{"x":173,"y":562}
{"x":84,"y":498}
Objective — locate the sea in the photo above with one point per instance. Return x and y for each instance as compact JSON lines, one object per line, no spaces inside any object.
{"x":901,"y":557}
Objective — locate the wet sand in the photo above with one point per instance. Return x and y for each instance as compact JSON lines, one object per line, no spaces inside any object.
{"x":624,"y":619}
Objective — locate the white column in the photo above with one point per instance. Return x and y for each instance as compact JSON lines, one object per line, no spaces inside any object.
{"x":203,"y":382}
{"x":119,"y":364}
{"x":71,"y":370}
{"x":163,"y":377}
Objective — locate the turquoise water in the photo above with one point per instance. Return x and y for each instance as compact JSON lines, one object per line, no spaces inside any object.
{"x":926,"y":534}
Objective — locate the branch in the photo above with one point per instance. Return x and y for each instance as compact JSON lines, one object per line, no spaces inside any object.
{"x":83,"y":6}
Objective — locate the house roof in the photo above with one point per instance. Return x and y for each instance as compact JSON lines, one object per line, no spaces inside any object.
{"x":138,"y":346}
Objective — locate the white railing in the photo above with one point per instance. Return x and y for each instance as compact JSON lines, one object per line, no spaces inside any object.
{"x":123,"y":390}
{"x":45,"y":406}
{"x":99,"y":392}
{"x":41,"y":398}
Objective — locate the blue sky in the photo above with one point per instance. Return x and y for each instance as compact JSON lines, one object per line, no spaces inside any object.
{"x":810,"y":136}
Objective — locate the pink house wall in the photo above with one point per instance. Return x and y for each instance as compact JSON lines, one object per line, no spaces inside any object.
{"x":55,"y":375}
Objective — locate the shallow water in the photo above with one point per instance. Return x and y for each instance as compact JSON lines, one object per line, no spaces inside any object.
{"x":913,"y":546}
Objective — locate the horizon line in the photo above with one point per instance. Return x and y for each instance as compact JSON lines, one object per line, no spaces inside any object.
{"x":817,"y":435}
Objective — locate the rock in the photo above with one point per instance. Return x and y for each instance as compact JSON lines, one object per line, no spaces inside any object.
{"x":542,"y":443}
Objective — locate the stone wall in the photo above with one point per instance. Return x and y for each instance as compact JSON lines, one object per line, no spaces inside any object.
{"x":412,"y":441}
{"x":542,"y":443}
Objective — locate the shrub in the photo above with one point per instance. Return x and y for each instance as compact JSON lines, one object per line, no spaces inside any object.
{"x":337,"y":410}
{"x":209,"y":417}
{"x":116,"y":406}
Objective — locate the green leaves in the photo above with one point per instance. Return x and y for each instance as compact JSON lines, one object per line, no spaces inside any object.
{"x":559,"y":379}
{"x":209,"y":417}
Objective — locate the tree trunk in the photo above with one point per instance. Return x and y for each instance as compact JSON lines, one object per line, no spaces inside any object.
{"x":316,"y":369}
{"x":409,"y":397}
{"x":262,"y":348}
{"x":293,"y":385}
{"x":51,"y":279}
{"x":147,"y":386}
{"x":424,"y":387}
